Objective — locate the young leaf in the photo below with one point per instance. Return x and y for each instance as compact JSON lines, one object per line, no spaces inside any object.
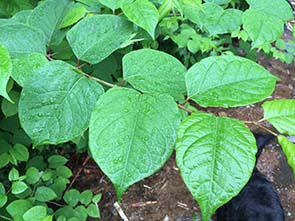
{"x":17,"y":208}
{"x":58,"y":111}
{"x":45,"y":194}
{"x":13,"y":174}
{"x":280,"y":8}
{"x":139,"y":125}
{"x":262,"y":28}
{"x":47,"y":17}
{"x":289,"y":150}
{"x":86,"y":197}
{"x":72,"y":197}
{"x":18,"y":187}
{"x":9,"y":109}
{"x":74,"y":14}
{"x":20,"y":152}
{"x":216,"y":157}
{"x":112,"y":4}
{"x":21,"y":39}
{"x":214,"y":82}
{"x":36,"y":213}
{"x":32,"y":175}
{"x":89,"y":35}
{"x":281,"y":113}
{"x":213,"y":18}
{"x":154,"y":71}
{"x":24,"y":66}
{"x":56,"y":161}
{"x":5,"y":70}
{"x":142,"y":13}
{"x":93,"y":211}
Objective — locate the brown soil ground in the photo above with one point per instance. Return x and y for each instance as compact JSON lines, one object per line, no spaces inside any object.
{"x":164,"y":197}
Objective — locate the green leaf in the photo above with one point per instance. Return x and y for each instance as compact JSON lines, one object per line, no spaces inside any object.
{"x":13,"y":174}
{"x":60,"y":111}
{"x":213,"y":18}
{"x":63,"y":171}
{"x":17,"y":208}
{"x":289,"y":150}
{"x":110,"y":31}
{"x":36,"y":213}
{"x":45,"y":194}
{"x":280,"y":8}
{"x":86,"y":197}
{"x":73,"y":15}
{"x":96,"y":198}
{"x":142,"y":13}
{"x":56,"y":161}
{"x":9,"y":109}
{"x":112,"y":4}
{"x":72,"y":197}
{"x":262,"y":28}
{"x":214,"y":82}
{"x":4,"y":159}
{"x":3,"y":200}
{"x":5,"y":70}
{"x":24,"y":66}
{"x":216,"y":157}
{"x":18,"y":187}
{"x":154,"y":71}
{"x":219,"y":2}
{"x":281,"y":113}
{"x":81,"y":211}
{"x":20,"y":152}
{"x":32,"y":175}
{"x":140,"y":125}
{"x":47,"y":17}
{"x":93,"y":211}
{"x":12,"y":36}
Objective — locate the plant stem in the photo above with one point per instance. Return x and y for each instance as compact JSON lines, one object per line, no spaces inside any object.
{"x":181,"y":106}
{"x":6,"y":218}
{"x":262,"y":127}
{"x":99,"y":80}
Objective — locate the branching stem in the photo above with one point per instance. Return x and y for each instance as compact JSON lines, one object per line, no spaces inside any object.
{"x":262,"y":127}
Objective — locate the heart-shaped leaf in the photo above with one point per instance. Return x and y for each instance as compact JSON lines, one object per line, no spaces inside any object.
{"x":216,"y":157}
{"x":134,"y":132}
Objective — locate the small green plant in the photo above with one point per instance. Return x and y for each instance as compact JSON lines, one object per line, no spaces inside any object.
{"x":124,"y":73}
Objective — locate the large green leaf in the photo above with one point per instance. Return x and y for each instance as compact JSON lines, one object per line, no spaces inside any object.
{"x":17,"y":208}
{"x":24,"y":66}
{"x":22,"y":39}
{"x":5,"y":71}
{"x":112,"y":4}
{"x":289,"y":150}
{"x":213,"y":18}
{"x":56,"y":103}
{"x":131,"y":135}
{"x":96,"y":37}
{"x":279,"y":8}
{"x":261,"y":27}
{"x":281,"y":113}
{"x":154,"y":71}
{"x":228,"y":81}
{"x":48,"y":16}
{"x":216,"y":157}
{"x":142,"y":13}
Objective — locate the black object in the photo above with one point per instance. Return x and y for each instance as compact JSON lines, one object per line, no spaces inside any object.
{"x":258,"y":201}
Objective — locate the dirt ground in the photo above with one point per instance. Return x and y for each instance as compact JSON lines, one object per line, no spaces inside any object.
{"x":164,"y":197}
